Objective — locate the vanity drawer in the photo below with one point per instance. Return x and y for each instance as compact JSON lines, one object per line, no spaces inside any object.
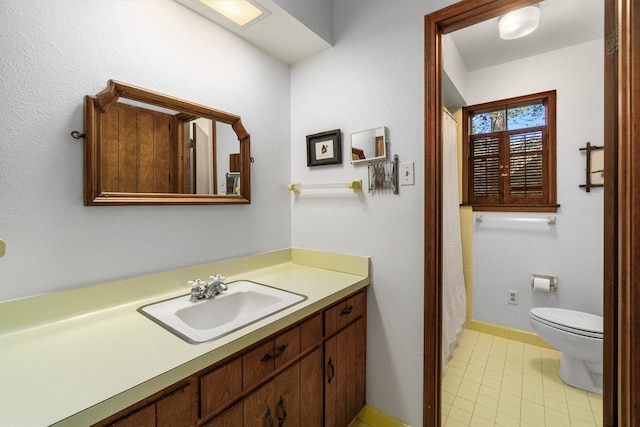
{"x":260,"y":362}
{"x":344,"y":312}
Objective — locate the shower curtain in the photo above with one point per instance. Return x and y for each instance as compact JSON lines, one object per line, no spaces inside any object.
{"x":454,"y":299}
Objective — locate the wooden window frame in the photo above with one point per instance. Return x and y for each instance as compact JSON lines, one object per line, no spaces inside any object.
{"x":549,"y":202}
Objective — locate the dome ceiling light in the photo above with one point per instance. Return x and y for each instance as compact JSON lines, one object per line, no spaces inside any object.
{"x":519,"y":23}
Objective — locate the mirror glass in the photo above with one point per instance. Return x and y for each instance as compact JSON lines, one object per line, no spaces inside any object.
{"x":143,"y":147}
{"x":369,"y":145}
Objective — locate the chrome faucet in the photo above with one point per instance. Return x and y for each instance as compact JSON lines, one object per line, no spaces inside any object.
{"x":202,"y":290}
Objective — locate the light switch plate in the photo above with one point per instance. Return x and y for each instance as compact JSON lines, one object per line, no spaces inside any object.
{"x":407,"y":173}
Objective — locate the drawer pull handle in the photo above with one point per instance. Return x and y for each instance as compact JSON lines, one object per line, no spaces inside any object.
{"x":346,"y":311}
{"x":333,"y":371}
{"x":269,"y":417}
{"x":281,"y":350}
{"x":284,"y":412}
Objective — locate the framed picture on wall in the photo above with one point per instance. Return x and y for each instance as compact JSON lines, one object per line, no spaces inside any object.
{"x":324,"y":148}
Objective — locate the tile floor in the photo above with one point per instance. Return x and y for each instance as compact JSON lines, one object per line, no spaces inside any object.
{"x":493,"y":381}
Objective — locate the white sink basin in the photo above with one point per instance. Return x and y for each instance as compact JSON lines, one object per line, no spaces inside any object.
{"x":242,"y":304}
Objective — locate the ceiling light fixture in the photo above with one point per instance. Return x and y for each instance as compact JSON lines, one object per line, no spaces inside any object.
{"x":241,"y":12}
{"x":519,"y":23}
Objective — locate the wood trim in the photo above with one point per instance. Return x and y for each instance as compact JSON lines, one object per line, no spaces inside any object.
{"x":610,"y":273}
{"x":432,"y":369}
{"x":456,"y":16}
{"x":627,"y":25}
{"x":622,"y":255}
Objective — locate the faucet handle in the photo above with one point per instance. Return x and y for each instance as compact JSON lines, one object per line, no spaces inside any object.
{"x":217,"y":282}
{"x":196,"y":283}
{"x":218,"y":278}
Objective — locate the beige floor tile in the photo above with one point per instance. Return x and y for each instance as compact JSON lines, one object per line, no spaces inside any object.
{"x":445,"y":409}
{"x":488,"y":392}
{"x":455,"y":370}
{"x":460,"y":403}
{"x":556,"y":405}
{"x":447,"y":397}
{"x":581,"y":414}
{"x":474,"y":369}
{"x":487,"y":401}
{"x":467,"y":394}
{"x":478,"y":421}
{"x":485,"y":413}
{"x":493,"y":381}
{"x":509,"y":408}
{"x":455,"y":423}
{"x":459,"y":415}
{"x":471,"y":381}
{"x":579,"y":401}
{"x":504,"y":420}
{"x":494,"y":374}
{"x":556,"y":415}
{"x":452,"y":379}
{"x":508,"y":392}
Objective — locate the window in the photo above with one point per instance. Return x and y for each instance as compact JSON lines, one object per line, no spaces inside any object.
{"x":510,"y":154}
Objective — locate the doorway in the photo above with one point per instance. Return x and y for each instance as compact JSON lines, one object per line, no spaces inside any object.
{"x":622,"y":199}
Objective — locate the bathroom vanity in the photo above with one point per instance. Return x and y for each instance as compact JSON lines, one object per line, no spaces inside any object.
{"x":98,"y":361}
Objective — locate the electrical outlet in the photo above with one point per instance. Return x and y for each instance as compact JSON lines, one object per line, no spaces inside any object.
{"x":513,"y":297}
{"x":407,"y":174}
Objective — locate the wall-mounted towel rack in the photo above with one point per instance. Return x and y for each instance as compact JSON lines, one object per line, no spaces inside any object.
{"x":548,"y":220}
{"x":383,"y":176}
{"x":355,"y":185}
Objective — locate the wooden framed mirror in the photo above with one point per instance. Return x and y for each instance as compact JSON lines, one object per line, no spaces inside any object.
{"x":143,"y":147}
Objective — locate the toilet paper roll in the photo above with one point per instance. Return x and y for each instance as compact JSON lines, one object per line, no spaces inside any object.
{"x":541,"y":284}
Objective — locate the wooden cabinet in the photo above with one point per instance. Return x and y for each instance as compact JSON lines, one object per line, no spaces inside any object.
{"x":275,"y":403}
{"x":345,"y":361}
{"x":311,"y":374}
{"x":232,"y":417}
{"x":171,"y":410}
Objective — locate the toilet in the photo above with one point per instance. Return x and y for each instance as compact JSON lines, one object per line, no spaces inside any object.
{"x":578,"y":336}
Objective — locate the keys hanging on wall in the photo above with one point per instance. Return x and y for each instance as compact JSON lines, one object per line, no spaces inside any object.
{"x":383,"y":176}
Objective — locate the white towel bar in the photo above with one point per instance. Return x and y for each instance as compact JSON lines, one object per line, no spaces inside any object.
{"x":549,"y":220}
{"x":355,"y":185}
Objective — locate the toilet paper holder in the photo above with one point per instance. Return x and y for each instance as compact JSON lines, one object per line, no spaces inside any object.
{"x":553,"y":281}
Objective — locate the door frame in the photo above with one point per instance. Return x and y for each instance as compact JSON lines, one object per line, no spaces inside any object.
{"x":621,"y":279}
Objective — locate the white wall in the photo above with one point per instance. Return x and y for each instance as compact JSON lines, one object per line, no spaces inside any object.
{"x":55,"y":52}
{"x":373,"y":76}
{"x":572,"y":249}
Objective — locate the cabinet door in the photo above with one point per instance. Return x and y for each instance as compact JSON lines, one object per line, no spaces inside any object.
{"x":258,"y":409}
{"x":344,"y":385}
{"x":287,"y":397}
{"x":311,"y":376}
{"x":276,"y":403}
{"x":145,"y":417}
{"x":219,"y":386}
{"x":174,"y":410}
{"x":230,"y":418}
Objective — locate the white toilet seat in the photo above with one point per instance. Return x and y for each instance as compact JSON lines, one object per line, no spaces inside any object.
{"x":575,"y":322}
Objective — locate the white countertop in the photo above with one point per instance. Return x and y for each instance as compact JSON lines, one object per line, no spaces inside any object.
{"x":69,"y":366}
